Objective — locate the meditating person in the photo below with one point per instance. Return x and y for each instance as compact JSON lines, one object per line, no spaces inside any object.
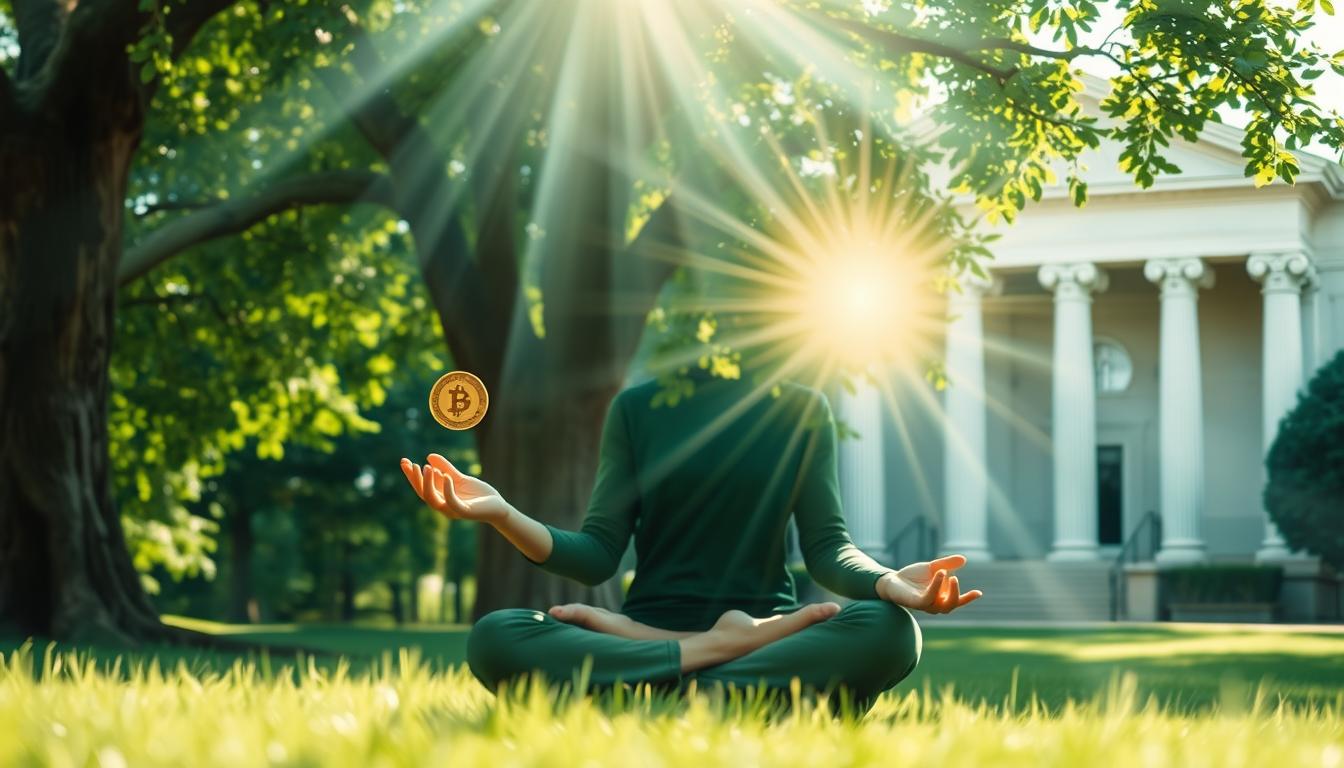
{"x":707,"y":488}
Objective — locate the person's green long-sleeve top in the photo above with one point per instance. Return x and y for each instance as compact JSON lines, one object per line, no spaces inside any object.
{"x":707,"y":487}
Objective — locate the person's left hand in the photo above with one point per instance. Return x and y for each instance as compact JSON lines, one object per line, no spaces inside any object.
{"x":927,"y":586}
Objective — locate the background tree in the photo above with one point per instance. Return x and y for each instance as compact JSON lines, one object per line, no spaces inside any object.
{"x":458,"y":121}
{"x":1305,"y":492}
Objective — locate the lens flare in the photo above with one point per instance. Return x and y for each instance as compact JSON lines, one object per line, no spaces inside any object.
{"x":864,"y":306}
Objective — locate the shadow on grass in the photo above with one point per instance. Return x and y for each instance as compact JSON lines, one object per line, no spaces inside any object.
{"x":272,"y":649}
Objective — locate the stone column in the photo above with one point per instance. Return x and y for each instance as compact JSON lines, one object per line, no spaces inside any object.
{"x":1282,"y":275}
{"x":1180,"y":407}
{"x":1074,"y":409}
{"x":965,"y":463}
{"x":1313,"y":356}
{"x":863,"y":469}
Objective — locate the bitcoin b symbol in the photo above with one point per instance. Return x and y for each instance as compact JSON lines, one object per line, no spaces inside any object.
{"x":458,"y":400}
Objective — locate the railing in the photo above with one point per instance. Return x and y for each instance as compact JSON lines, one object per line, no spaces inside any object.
{"x":920,"y":531}
{"x":1149,"y":531}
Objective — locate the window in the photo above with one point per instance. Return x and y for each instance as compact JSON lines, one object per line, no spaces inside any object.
{"x":1113,"y":366}
{"x":1110,"y":493}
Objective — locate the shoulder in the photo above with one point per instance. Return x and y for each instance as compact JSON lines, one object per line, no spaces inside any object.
{"x":638,"y":395}
{"x":806,"y":403}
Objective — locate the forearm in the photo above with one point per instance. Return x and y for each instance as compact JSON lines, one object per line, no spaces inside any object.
{"x":530,"y":537}
{"x":578,"y":555}
{"x":845,"y":570}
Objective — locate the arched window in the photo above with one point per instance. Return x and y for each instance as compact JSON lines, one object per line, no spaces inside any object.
{"x":1114,"y":369}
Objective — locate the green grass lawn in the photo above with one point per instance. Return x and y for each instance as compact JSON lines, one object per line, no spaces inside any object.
{"x":1182,"y":666}
{"x":1123,"y":695}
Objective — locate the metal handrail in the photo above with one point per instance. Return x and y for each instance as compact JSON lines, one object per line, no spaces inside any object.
{"x":925,"y":531}
{"x":1129,"y":553}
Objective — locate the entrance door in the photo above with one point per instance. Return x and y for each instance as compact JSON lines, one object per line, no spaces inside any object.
{"x":1110,"y":494}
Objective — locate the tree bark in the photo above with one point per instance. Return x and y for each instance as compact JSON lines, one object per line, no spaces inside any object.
{"x":70,"y":122}
{"x":539,"y":444}
{"x":347,"y":605}
{"x":398,"y":608}
{"x":242,"y":600}
{"x":541,"y":453}
{"x":64,"y":567}
{"x":413,"y":599}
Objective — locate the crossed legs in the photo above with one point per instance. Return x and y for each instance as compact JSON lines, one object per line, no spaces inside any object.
{"x":865,"y":648}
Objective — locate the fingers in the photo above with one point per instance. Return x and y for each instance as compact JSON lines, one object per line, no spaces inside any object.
{"x":578,"y":614}
{"x":929,"y":597}
{"x":445,"y":494}
{"x":427,"y":488}
{"x":951,"y":595}
{"x":948,"y":563}
{"x":443,"y":465}
{"x":448,"y":489}
{"x":433,"y":487}
{"x":823,"y":611}
{"x":950,"y":598}
{"x":780,"y":626}
{"x":412,"y":472}
{"x":943,"y":594}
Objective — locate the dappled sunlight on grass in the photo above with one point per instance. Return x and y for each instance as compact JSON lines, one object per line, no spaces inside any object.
{"x":1186,"y":667}
{"x":1224,"y":645}
{"x":63,"y":709}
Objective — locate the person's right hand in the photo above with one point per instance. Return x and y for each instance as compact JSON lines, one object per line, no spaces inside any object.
{"x":927,"y":586}
{"x":448,"y":490}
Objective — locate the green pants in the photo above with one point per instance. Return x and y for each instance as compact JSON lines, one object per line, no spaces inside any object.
{"x":865,"y":649}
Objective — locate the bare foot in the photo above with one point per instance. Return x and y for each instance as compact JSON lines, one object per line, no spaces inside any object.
{"x":612,"y":623}
{"x":736,"y":634}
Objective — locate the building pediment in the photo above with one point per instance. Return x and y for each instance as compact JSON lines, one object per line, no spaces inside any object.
{"x":1213,"y":162}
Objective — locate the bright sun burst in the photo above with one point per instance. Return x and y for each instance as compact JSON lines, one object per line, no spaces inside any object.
{"x":844,"y":272}
{"x":861,"y":305}
{"x":847,"y":277}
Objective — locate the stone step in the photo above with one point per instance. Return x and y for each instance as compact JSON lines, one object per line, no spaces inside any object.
{"x":1036,"y":590}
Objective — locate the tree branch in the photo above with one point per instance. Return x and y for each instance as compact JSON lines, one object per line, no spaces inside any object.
{"x":8,"y":102}
{"x":1008,"y":44}
{"x":495,"y":189}
{"x":375,"y":113}
{"x":182,"y":25}
{"x":38,"y":24}
{"x":174,"y":205}
{"x":89,"y":44}
{"x":187,"y":19}
{"x":233,"y":216}
{"x":896,"y":42}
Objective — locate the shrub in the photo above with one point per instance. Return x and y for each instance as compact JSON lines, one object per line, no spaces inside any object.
{"x":1305,"y":492}
{"x":1223,"y":583}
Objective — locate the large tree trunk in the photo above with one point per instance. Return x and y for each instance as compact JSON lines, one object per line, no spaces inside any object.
{"x":347,"y":604}
{"x":540,"y":440}
{"x":398,"y":609}
{"x":542,"y":455}
{"x":64,"y":567}
{"x":243,"y":606}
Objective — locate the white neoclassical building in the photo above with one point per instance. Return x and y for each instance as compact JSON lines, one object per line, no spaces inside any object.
{"x":1127,"y":360}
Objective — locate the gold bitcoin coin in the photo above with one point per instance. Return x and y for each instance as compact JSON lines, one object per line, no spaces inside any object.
{"x":458,"y":400}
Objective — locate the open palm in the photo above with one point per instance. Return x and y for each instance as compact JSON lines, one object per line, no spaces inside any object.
{"x":928,"y":586}
{"x":453,"y":492}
